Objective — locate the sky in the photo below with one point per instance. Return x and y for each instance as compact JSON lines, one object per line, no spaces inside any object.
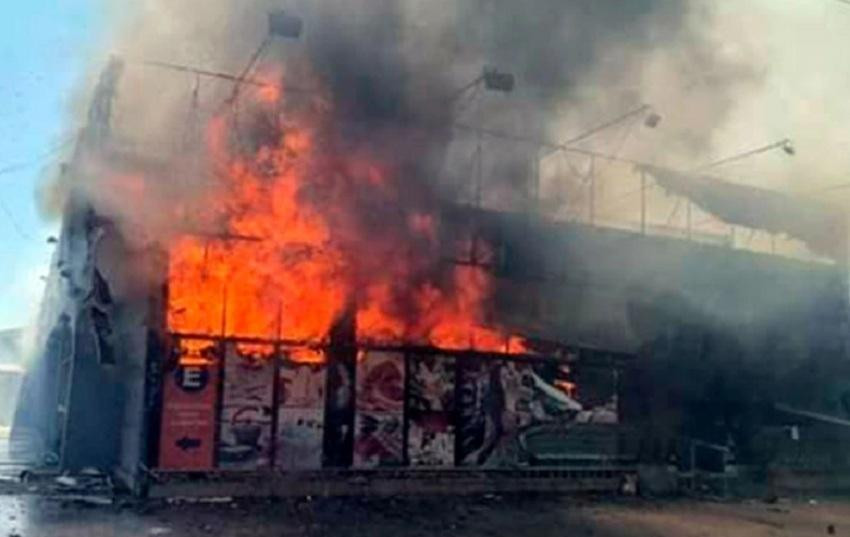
{"x":44,"y":47}
{"x":801,"y":46}
{"x":47,"y":46}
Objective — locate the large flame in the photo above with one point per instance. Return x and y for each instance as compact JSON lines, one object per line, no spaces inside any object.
{"x":287,"y":252}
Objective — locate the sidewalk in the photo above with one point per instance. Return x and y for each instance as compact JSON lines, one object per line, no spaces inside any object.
{"x":481,"y":516}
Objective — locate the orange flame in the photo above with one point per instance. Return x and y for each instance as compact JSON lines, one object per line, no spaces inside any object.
{"x":259,"y":351}
{"x":569,"y":388}
{"x":288,"y":257}
{"x":195,"y":352}
{"x":306,"y":355}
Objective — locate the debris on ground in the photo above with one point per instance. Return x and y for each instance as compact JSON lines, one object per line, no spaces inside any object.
{"x":89,"y":487}
{"x":456,"y":516}
{"x":629,"y":485}
{"x":66,"y":481}
{"x":177,"y":500}
{"x":83,"y":499}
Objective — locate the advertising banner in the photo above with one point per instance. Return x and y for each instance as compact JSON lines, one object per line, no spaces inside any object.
{"x":430,"y":407}
{"x":514,"y":413}
{"x":379,"y":421}
{"x":301,"y":416}
{"x":245,"y":440}
{"x":190,"y":390}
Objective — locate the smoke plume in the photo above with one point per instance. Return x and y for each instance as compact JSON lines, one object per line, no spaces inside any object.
{"x":386,"y":87}
{"x":392,"y":70}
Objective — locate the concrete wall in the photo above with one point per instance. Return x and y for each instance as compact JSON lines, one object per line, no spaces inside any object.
{"x":619,"y":290}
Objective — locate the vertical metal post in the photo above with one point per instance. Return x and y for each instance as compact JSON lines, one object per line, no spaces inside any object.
{"x":221,"y":344}
{"x":456,"y":415}
{"x":156,"y":355}
{"x":479,"y":172}
{"x":276,"y":358}
{"x":224,"y":311}
{"x":405,"y":430}
{"x":616,"y":379}
{"x":219,"y":397}
{"x":479,"y":175}
{"x":693,"y":466}
{"x":592,"y":194}
{"x":279,"y":328}
{"x":534,"y":194}
{"x":643,"y":202}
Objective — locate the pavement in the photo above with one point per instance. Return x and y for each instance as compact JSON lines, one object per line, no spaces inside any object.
{"x":17,"y":452}
{"x":31,"y":509}
{"x":487,"y":516}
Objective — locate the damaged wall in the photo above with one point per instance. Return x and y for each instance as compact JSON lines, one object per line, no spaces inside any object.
{"x":722,"y":334}
{"x":679,"y":304}
{"x":85,"y":392}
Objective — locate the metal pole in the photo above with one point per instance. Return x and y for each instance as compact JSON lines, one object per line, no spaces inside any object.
{"x":643,"y":201}
{"x":478,"y":180}
{"x":224,"y":311}
{"x":247,"y":70}
{"x":784,"y":143}
{"x":601,"y":127}
{"x":279,"y":328}
{"x":478,"y":171}
{"x":592,"y":196}
{"x":617,"y":393}
{"x":479,"y":174}
{"x":693,"y":466}
{"x":534,"y":195}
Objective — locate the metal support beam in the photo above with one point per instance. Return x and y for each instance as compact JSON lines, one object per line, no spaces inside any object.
{"x":643,"y":201}
{"x":592,"y":194}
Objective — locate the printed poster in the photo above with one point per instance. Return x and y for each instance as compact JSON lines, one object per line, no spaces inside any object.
{"x":245,"y":440}
{"x":496,"y":399}
{"x":301,"y":416}
{"x":515,"y":413}
{"x":379,"y":419}
{"x":190,"y":390}
{"x":431,"y":395}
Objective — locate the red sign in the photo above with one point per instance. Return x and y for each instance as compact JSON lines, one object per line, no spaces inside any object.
{"x":188,"y":417}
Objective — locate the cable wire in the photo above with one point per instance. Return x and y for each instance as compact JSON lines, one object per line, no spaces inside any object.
{"x":14,"y":221}
{"x":11,"y":168}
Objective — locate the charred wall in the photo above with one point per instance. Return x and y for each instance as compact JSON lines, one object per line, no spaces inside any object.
{"x":722,"y":334}
{"x":85,"y":392}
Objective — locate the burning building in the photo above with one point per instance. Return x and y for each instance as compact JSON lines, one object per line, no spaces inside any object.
{"x":292,"y":292}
